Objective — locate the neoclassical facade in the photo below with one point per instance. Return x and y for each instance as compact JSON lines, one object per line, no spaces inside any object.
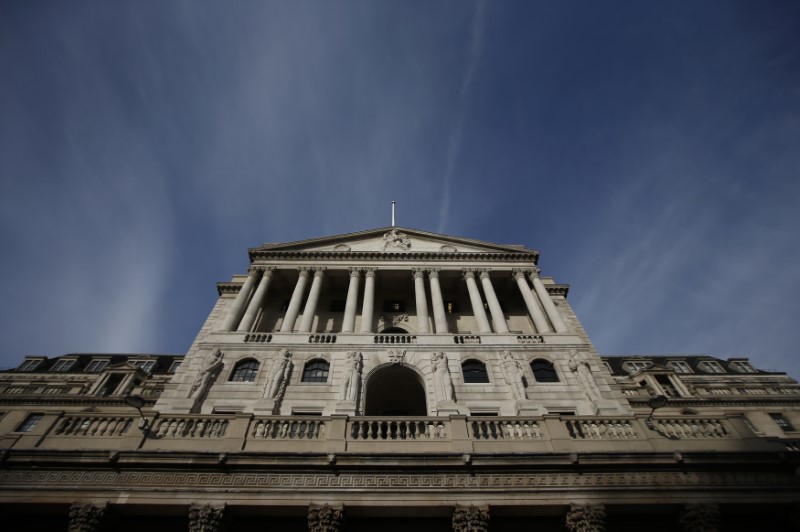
{"x":394,"y":378}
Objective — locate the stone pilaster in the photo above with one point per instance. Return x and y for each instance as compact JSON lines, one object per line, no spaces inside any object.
{"x":421,"y":300}
{"x":206,"y":518}
{"x":325,"y":518}
{"x":700,"y":517}
{"x":296,"y":301}
{"x":86,"y":517}
{"x":311,"y":304}
{"x":477,"y":303}
{"x":471,"y":518}
{"x":586,"y":518}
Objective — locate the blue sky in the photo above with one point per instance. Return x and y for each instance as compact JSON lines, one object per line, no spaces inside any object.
{"x":649,"y":150}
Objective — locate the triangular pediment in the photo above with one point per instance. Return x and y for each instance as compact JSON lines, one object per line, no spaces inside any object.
{"x":395,"y":240}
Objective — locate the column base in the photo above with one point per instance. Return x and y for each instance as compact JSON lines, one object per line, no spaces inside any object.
{"x":345,"y":408}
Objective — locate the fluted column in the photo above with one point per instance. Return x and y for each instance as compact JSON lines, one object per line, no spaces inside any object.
{"x":439,"y":314}
{"x":311,"y":303}
{"x":477,"y":303}
{"x":236,"y":310}
{"x":369,"y":300}
{"x":494,"y":305}
{"x":547,"y":303}
{"x":349,"y":322}
{"x":257,"y":300}
{"x":421,"y":301}
{"x":539,"y":321}
{"x":296,"y":301}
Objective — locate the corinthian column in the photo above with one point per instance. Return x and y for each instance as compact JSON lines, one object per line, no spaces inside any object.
{"x":494,"y":305}
{"x":86,"y":517}
{"x":547,"y":303}
{"x":369,"y":300}
{"x":421,"y":301}
{"x":311,"y":304}
{"x":477,"y":303}
{"x":348,"y":324}
{"x":471,"y":518}
{"x":236,"y":310}
{"x":586,"y":518}
{"x":296,"y":301}
{"x":539,"y":321}
{"x":439,"y":315}
{"x":257,"y":300}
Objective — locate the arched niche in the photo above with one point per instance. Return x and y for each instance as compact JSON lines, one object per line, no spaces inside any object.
{"x":395,"y":390}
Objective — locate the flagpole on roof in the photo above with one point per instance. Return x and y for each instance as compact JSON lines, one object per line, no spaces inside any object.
{"x":393,"y":213}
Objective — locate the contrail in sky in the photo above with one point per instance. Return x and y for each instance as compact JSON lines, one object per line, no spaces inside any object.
{"x":454,"y":144}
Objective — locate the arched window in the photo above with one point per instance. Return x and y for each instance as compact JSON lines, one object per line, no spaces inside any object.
{"x":543,"y":371}
{"x":245,"y":371}
{"x":316,"y":371}
{"x":474,"y":371}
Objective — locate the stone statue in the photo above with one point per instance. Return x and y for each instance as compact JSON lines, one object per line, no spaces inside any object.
{"x":580,"y":368}
{"x":396,"y":239}
{"x":351,"y":378}
{"x":512,"y":371}
{"x":278,"y":374}
{"x":210,"y":370}
{"x":442,"y":382}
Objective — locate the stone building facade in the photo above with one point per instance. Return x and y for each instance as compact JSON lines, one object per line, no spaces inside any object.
{"x":394,"y":378}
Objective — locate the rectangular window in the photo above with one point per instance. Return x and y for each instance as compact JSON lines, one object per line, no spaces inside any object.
{"x":29,"y":365}
{"x":96,"y":366}
{"x":337,"y":305}
{"x":782,"y":422}
{"x":62,"y":365}
{"x":145,"y":365}
{"x":710,"y":366}
{"x":740,"y":366}
{"x":680,"y":366}
{"x":30,"y":422}
{"x":394,"y":306}
{"x":174,"y":367}
{"x":632,"y":366}
{"x":110,"y":385}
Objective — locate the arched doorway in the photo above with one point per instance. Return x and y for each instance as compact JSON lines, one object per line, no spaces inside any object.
{"x":395,"y":391}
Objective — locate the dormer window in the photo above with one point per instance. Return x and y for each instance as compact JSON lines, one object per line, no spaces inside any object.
{"x":29,"y":365}
{"x":63,"y":365}
{"x":741,"y":366}
{"x":634,"y":366}
{"x":174,"y":367}
{"x":144,"y":365}
{"x":679,"y":366}
{"x":96,"y":366}
{"x":710,"y":366}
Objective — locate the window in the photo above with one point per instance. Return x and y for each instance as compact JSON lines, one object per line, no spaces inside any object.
{"x":474,"y":371}
{"x":245,"y":371}
{"x":394,"y":306}
{"x":316,"y":371}
{"x":741,"y":366}
{"x":110,"y":385}
{"x":543,"y":371}
{"x":666,"y":385}
{"x":96,"y":366}
{"x":782,"y":422}
{"x":30,"y":422}
{"x":710,"y":366}
{"x":679,"y":366}
{"x":144,"y":365}
{"x":62,"y":365}
{"x":633,"y":366}
{"x":451,"y":307}
{"x":29,"y":365}
{"x":337,"y":305}
{"x":174,"y":367}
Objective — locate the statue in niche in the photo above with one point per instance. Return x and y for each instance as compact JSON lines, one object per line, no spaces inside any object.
{"x":278,"y":375}
{"x":442,"y":382}
{"x":396,"y":239}
{"x":351,"y":378}
{"x":208,"y":373}
{"x":512,"y":372}
{"x":583,"y":373}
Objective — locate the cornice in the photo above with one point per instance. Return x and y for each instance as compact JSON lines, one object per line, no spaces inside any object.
{"x":58,"y":399}
{"x":407,"y":256}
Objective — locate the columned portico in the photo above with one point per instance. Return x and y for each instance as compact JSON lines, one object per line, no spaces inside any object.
{"x":257,"y":300}
{"x":348,"y":324}
{"x":494,"y":305}
{"x":369,"y":300}
{"x":311,"y":303}
{"x":539,"y":321}
{"x":477,"y":303}
{"x":421,"y":300}
{"x":235,"y":313}
{"x":296,"y":301}
{"x":439,"y":315}
{"x":547,"y":303}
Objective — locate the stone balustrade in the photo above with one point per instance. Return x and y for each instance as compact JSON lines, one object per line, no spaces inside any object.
{"x":467,"y":339}
{"x":691,"y":428}
{"x":322,"y":339}
{"x":601,"y":429}
{"x":279,"y":428}
{"x":502,"y":429}
{"x":190,"y":427}
{"x":260,"y":338}
{"x":530,"y":339}
{"x":376,"y":429}
{"x":93,"y":426}
{"x":395,"y":339}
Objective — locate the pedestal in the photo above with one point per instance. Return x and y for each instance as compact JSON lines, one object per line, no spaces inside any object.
{"x":347,"y":408}
{"x":527,"y":408}
{"x":447,"y":408}
{"x":265,"y":407}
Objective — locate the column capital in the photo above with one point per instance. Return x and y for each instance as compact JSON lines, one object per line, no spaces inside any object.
{"x":303,"y":271}
{"x":433,"y":273}
{"x":417,"y":273}
{"x":325,"y":517}
{"x":253,"y":270}
{"x":86,"y":517}
{"x":484,"y":273}
{"x":206,"y":517}
{"x":468,"y":274}
{"x":355,"y":272}
{"x":319,"y":272}
{"x":533,"y":273}
{"x":582,"y":517}
{"x":267,"y":271}
{"x":519,"y":273}
{"x":369,"y":272}
{"x":471,"y":518}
